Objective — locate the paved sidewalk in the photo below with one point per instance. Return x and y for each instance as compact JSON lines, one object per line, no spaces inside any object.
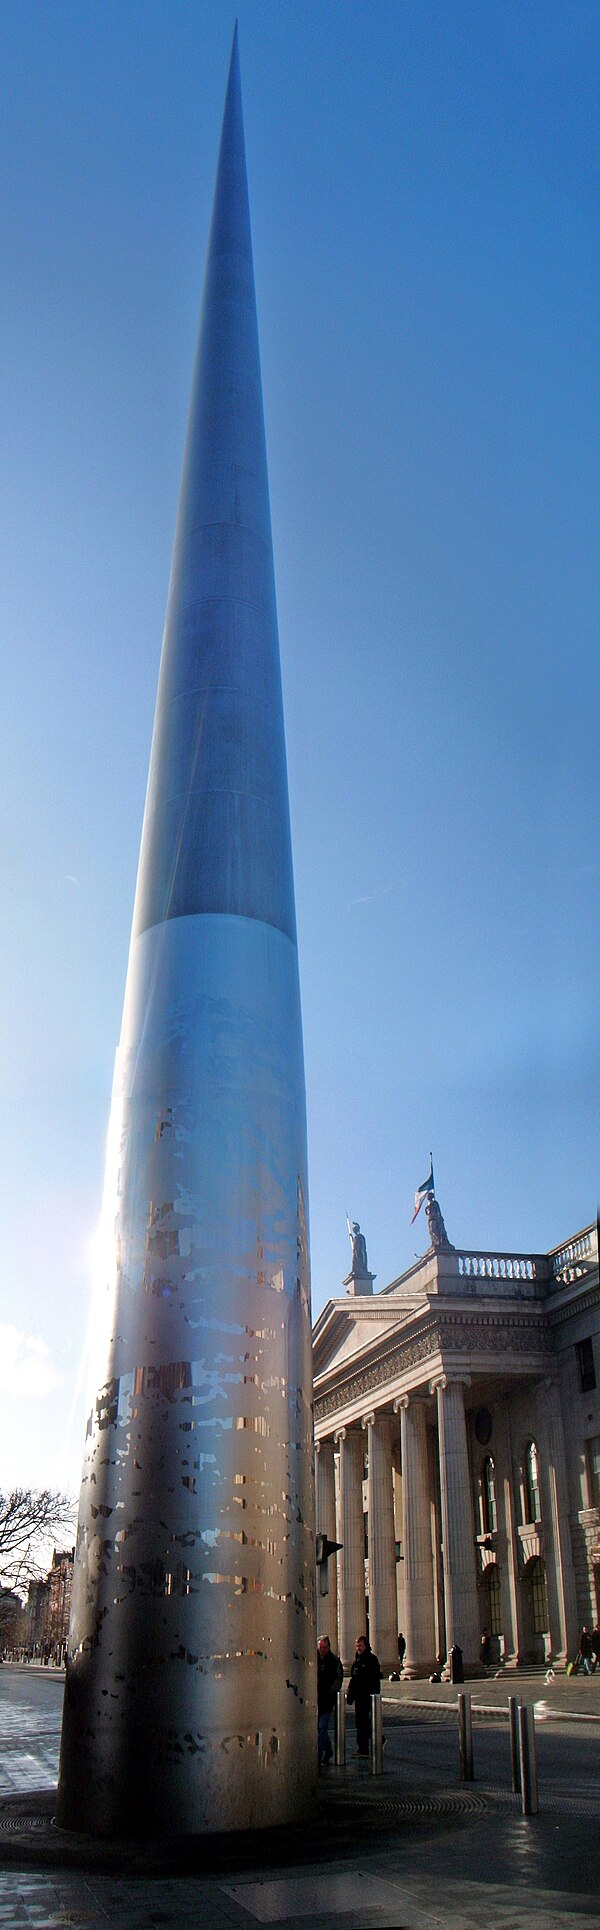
{"x":414,"y":1850}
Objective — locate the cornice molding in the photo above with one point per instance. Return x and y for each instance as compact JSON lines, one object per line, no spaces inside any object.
{"x":559,"y":1316}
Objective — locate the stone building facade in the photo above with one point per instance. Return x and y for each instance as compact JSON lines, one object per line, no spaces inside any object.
{"x":457,"y":1427}
{"x":45,"y":1616}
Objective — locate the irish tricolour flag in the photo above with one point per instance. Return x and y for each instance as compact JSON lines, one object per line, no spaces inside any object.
{"x":424,"y":1192}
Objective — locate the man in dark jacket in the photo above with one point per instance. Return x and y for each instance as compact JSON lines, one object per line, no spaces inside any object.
{"x":330,"y":1676}
{"x":365,"y":1681}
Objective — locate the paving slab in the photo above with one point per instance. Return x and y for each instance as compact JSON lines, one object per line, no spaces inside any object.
{"x":412,"y":1850}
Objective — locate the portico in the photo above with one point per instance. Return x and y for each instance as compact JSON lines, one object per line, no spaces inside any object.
{"x":436,"y":1401}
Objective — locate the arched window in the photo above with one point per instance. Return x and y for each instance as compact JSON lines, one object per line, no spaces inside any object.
{"x":536,"y":1575}
{"x":532,"y":1483}
{"x":488,"y":1497}
{"x":492,"y":1600}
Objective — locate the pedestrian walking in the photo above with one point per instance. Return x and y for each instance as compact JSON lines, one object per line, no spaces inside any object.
{"x":595,"y":1638}
{"x":585,"y":1653}
{"x":485,"y":1649}
{"x":330,"y":1676}
{"x":365,"y":1681}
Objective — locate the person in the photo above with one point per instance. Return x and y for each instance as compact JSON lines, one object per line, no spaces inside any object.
{"x":365,"y":1681}
{"x":595,"y":1640}
{"x":401,"y":1650}
{"x":485,"y":1648}
{"x":586,"y":1652}
{"x":330,"y":1676}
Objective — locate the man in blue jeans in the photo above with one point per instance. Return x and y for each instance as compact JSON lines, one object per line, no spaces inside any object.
{"x":330,"y":1676}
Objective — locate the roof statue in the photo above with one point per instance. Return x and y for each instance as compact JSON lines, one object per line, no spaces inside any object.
{"x":437,"y":1231}
{"x":359,"y":1280}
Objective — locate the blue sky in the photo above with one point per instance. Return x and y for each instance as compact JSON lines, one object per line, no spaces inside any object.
{"x":424,"y":184}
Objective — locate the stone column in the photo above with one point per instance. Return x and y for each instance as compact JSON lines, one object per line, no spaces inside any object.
{"x":383,"y":1632}
{"x":327,"y":1617}
{"x":351,"y":1559}
{"x":460,"y":1582}
{"x":508,"y":1553}
{"x":560,"y":1576}
{"x":419,"y":1624}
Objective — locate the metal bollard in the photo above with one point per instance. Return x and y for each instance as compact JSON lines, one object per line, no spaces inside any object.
{"x":513,"y":1717}
{"x":527,"y":1761}
{"x":465,"y":1737}
{"x":340,"y":1730}
{"x":376,"y":1737}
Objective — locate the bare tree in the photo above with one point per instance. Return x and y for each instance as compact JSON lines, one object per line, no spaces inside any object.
{"x":30,"y":1519}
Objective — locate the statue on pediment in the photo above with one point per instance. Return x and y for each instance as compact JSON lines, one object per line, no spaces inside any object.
{"x":359,"y":1280}
{"x":437,"y":1231}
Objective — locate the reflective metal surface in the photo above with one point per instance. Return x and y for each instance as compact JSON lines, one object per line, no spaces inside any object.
{"x":190,"y":1697}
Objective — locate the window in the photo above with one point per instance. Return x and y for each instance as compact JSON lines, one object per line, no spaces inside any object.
{"x":539,"y":1598}
{"x":532,"y":1483}
{"x":488,"y":1497}
{"x":494,"y":1601}
{"x":587,"y":1371}
{"x":592,"y":1450}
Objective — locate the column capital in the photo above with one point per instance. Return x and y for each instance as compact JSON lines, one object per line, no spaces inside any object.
{"x":449,"y":1380}
{"x":340,"y":1433}
{"x":368,"y":1420}
{"x":414,"y":1399}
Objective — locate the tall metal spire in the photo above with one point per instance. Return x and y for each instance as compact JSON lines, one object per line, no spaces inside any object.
{"x":190,"y":1676}
{"x":216,"y":831}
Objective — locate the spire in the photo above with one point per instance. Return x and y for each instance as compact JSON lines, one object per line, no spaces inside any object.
{"x":188,"y":1706}
{"x":216,"y":829}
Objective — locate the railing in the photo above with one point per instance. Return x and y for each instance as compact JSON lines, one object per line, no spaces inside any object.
{"x":571,"y":1261}
{"x":497,"y":1266}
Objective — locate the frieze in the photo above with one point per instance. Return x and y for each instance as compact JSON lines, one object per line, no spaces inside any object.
{"x":467,"y":1334}
{"x":494,"y":1337}
{"x":378,"y":1374}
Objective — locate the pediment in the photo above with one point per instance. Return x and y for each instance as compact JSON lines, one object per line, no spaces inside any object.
{"x":347,"y":1328}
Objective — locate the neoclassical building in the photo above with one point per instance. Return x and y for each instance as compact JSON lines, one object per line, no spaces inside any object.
{"x":457,"y":1426}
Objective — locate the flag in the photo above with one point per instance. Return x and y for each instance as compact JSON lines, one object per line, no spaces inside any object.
{"x":425,"y":1191}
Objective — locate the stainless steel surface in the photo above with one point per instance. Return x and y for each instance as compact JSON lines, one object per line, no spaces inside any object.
{"x":190,"y":1701}
{"x":376,"y":1736}
{"x":513,"y":1717}
{"x":465,"y":1737}
{"x":528,"y":1760}
{"x":340,"y":1729}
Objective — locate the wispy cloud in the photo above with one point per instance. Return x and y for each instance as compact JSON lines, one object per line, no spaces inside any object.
{"x":26,"y":1365}
{"x":368,"y":897}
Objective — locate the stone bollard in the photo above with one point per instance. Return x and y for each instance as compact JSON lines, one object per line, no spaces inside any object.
{"x":465,"y":1737}
{"x":340,"y":1730}
{"x":527,"y":1761}
{"x":376,"y":1736}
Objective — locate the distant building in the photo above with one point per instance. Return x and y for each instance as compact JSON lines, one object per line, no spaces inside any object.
{"x":35,"y":1614}
{"x":11,"y":1610}
{"x":45,"y":1618}
{"x":60,"y":1584}
{"x":457,"y":1423}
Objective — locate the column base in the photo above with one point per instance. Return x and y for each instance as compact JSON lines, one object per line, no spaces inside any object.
{"x":473,"y":1671}
{"x":419,"y":1671}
